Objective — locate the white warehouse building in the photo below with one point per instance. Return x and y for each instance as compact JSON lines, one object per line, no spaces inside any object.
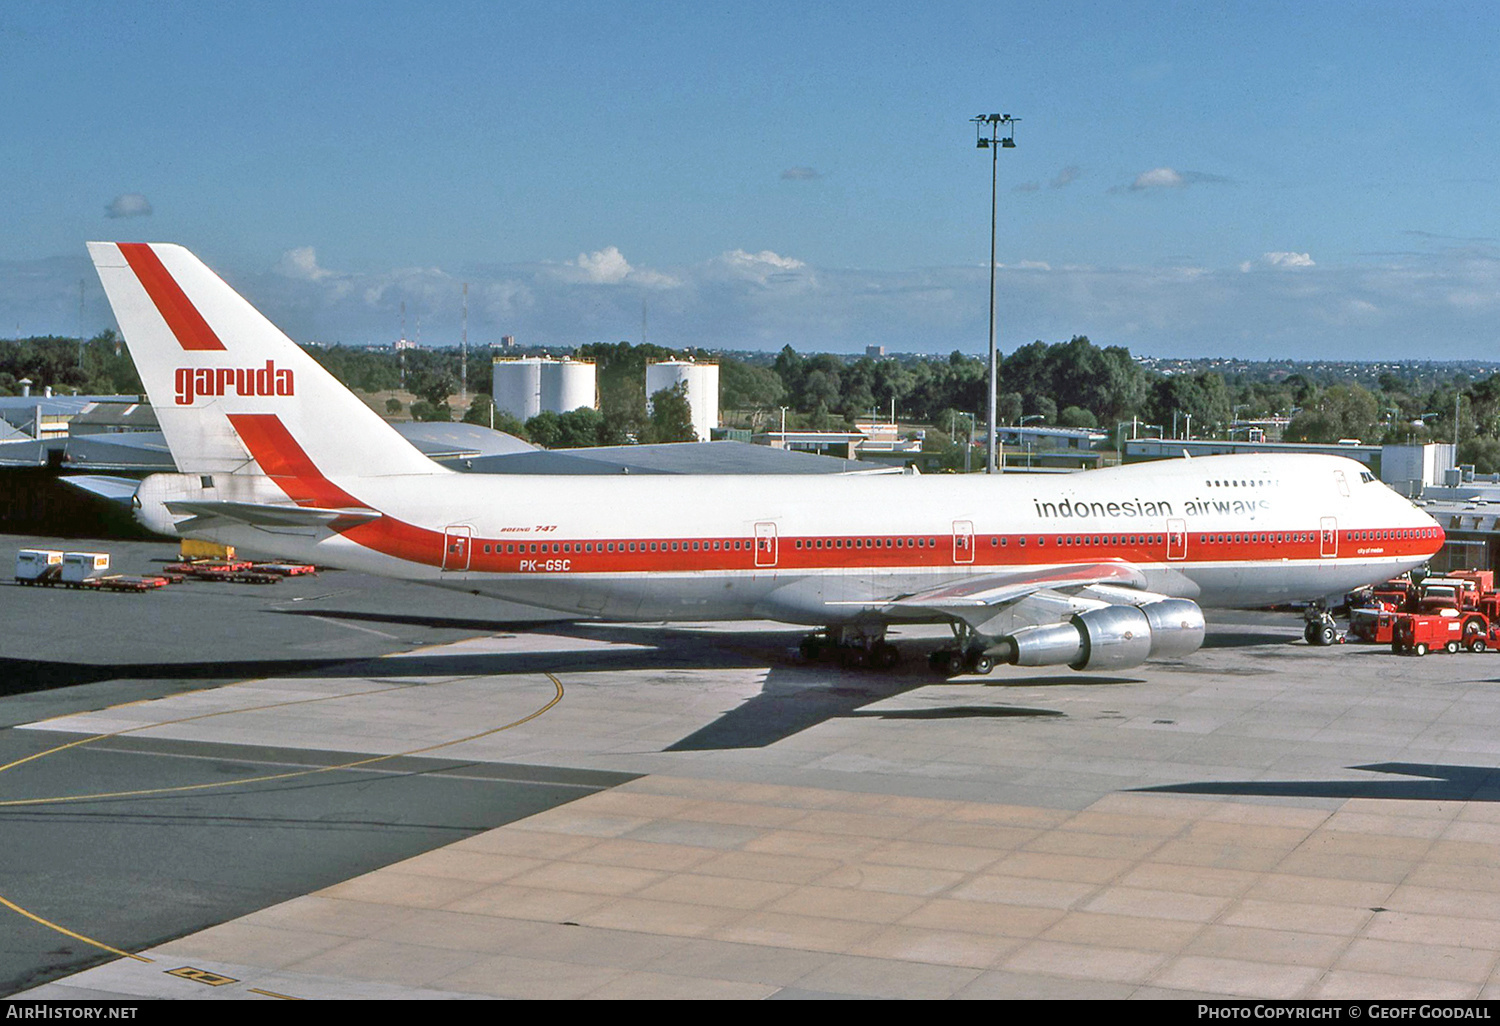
{"x":702,"y":390}
{"x":526,"y":386}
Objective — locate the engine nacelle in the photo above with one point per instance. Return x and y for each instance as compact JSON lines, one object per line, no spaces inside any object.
{"x":1177,"y":627}
{"x":1049,"y":645}
{"x":1115,"y":637}
{"x":1112,"y":637}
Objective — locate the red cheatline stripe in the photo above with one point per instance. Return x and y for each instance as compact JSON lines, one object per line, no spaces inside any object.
{"x":284,"y":461}
{"x":176,"y":309}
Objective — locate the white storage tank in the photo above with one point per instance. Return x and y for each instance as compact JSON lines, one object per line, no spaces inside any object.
{"x":572,"y":386}
{"x":702,"y":390}
{"x":526,"y":386}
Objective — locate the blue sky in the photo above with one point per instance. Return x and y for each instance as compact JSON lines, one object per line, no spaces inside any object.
{"x":1258,"y":179}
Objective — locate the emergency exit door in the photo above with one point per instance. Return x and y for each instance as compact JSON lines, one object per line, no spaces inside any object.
{"x":1328,"y":538}
{"x":456,"y":545}
{"x":963,"y":541}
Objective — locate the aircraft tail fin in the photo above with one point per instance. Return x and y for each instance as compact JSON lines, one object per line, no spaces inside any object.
{"x":233,"y":394}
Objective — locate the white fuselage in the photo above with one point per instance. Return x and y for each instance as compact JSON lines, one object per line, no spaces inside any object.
{"x":1241,"y":530}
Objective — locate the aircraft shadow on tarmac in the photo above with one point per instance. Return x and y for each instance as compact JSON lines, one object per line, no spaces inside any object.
{"x":1434,"y":783}
{"x":1246,"y":639}
{"x":793,"y":697}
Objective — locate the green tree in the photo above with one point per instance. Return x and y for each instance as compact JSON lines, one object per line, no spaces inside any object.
{"x":671,"y":417}
{"x":422,"y":409}
{"x":744,"y":386}
{"x":479,"y":410}
{"x":580,"y":428}
{"x":1077,"y":417}
{"x":545,"y":430}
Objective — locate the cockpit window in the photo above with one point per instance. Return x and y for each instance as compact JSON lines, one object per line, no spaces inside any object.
{"x":1367,"y":477}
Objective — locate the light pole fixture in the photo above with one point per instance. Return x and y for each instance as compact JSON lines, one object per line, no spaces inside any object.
{"x":994,"y":141}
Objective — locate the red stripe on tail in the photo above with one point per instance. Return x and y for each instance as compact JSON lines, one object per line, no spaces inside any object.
{"x":286,"y":463}
{"x":172,"y":303}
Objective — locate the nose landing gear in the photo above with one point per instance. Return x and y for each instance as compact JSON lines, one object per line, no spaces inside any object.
{"x":1320,"y":629}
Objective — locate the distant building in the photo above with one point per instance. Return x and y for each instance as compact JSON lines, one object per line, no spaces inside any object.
{"x":1412,"y":468}
{"x":875,"y":352}
{"x":1137,"y":450}
{"x":525,"y":386}
{"x":1042,"y":438}
{"x":702,"y":380}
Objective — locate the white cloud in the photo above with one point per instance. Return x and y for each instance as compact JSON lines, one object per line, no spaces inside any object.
{"x":1394,"y":306}
{"x":764,"y":259}
{"x":765,"y":268}
{"x":128,"y":204}
{"x":608,"y":266}
{"x":301,"y":263}
{"x":1158,"y":178}
{"x":1170,"y":178}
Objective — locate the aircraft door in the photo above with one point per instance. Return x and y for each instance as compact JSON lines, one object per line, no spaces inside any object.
{"x":1176,"y":539}
{"x":456,"y":545}
{"x":765,"y":543}
{"x":963,"y":541}
{"x":1328,"y":538}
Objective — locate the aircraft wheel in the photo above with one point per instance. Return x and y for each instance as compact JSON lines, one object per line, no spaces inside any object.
{"x":1476,"y":645}
{"x":1451,"y":648}
{"x":947,"y":661}
{"x":1420,"y":648}
{"x":853,"y":658}
{"x":1327,"y":635}
{"x":981,"y":662}
{"x":1397,"y":649}
{"x":811,"y":648}
{"x":1310,"y":634}
{"x":885,"y":656}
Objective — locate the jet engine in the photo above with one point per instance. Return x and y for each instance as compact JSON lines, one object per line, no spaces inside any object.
{"x":1111,"y":637}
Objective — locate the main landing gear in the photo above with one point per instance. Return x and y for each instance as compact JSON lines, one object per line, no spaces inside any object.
{"x":968,"y":655}
{"x":852,"y":647}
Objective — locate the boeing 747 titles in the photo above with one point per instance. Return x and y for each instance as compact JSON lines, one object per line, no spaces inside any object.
{"x":1097,"y":571}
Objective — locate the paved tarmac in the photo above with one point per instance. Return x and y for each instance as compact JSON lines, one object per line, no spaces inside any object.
{"x":1262,"y":819}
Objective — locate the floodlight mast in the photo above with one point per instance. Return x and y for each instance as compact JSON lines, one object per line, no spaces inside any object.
{"x":994,"y":142}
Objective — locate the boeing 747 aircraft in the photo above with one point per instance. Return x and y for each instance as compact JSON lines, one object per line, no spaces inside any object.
{"x":1096,"y":570}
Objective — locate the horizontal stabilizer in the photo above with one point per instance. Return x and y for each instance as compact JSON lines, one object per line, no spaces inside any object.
{"x":115,"y":489}
{"x":259,"y":514}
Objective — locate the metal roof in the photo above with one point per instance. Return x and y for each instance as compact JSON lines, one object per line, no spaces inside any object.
{"x":673,"y":458}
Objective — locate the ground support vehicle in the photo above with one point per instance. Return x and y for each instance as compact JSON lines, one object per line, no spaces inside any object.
{"x":1373,"y":624}
{"x":236,"y":572}
{"x":1418,"y":633}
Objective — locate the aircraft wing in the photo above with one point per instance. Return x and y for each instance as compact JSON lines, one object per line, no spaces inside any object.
{"x":994,"y":590}
{"x":207,"y":514}
{"x":1005,"y":600}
